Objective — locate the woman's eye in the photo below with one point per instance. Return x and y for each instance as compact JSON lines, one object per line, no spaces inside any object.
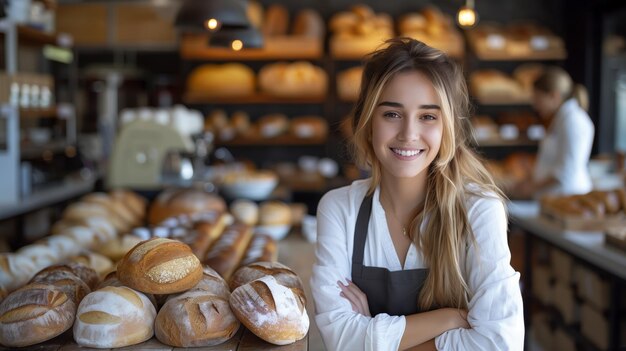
{"x":429,"y":117}
{"x":391,"y":115}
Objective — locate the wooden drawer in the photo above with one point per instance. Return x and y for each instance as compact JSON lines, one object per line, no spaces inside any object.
{"x":542,"y":284}
{"x":565,"y":301}
{"x":592,"y":288}
{"x":562,"y":266}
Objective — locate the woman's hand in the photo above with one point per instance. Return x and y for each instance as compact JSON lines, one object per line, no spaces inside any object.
{"x":357,"y":298}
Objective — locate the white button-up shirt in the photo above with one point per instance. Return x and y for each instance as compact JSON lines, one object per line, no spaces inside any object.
{"x":564,"y":152}
{"x":495,"y":305}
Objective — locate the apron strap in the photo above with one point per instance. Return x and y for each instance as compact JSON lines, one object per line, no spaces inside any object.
{"x":360,"y":230}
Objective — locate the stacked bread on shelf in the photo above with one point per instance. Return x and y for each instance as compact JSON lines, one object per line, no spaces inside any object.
{"x":170,"y":283}
{"x":349,"y":83}
{"x":433,"y":28}
{"x":296,"y":79}
{"x":493,"y":87}
{"x":359,"y":31}
{"x":221,"y":81}
{"x":596,"y":204}
{"x":515,"y":40}
{"x":515,"y":168}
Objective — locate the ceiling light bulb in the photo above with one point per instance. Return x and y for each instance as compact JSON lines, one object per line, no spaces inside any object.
{"x":466,"y":16}
{"x":212,"y":24}
{"x":236,"y":45}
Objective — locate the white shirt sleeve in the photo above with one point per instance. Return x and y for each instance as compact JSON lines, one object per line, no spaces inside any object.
{"x":495,"y":305}
{"x":340,"y":326}
{"x":574,"y":147}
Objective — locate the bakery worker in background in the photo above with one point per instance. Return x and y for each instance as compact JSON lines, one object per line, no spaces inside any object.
{"x":563,"y":157}
{"x":416,"y":255}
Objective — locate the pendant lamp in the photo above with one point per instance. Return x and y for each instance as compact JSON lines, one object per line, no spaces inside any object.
{"x":212,"y":15}
{"x":467,"y":16}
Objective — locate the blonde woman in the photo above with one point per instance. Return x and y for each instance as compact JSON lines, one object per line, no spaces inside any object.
{"x":415,"y":257}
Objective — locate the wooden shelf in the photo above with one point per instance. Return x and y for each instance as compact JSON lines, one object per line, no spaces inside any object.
{"x":195,"y":47}
{"x":281,"y":140}
{"x":501,"y":100}
{"x":33,"y":113}
{"x":29,"y":35}
{"x":195,"y":98}
{"x":556,"y":51}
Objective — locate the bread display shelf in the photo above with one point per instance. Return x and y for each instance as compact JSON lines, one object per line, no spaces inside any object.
{"x":353,"y":49}
{"x":32,"y":36}
{"x":284,"y":140}
{"x":578,"y":223}
{"x":199,"y":98}
{"x":452,"y":43}
{"x":501,"y":100}
{"x":557,"y":52}
{"x":49,"y":112}
{"x":244,"y":340}
{"x":289,"y":47}
{"x":498,"y":142}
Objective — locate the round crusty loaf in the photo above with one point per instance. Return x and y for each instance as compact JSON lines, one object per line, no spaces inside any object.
{"x":116,"y":248}
{"x":33,"y":314}
{"x":160,"y":266}
{"x":64,"y":278}
{"x":112,"y":280}
{"x":271,"y":311}
{"x":114,"y":317}
{"x":274,"y":213}
{"x":101,"y":264}
{"x":245,"y":211}
{"x":42,"y":255}
{"x":116,"y":207}
{"x":283,"y":274}
{"x":195,"y":318}
{"x":15,"y":270}
{"x":85,"y":273}
{"x":211,"y":283}
{"x":187,"y":201}
{"x":135,"y":203}
{"x":63,"y":245}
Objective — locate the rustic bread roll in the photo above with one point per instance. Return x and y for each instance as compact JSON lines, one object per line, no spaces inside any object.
{"x":225,"y":80}
{"x":114,"y":317}
{"x":349,"y":83}
{"x":245,"y":211}
{"x":309,"y":23}
{"x":91,"y":231}
{"x":309,"y":127}
{"x":274,"y":213}
{"x":412,"y":22}
{"x":63,"y":277}
{"x":33,"y":314}
{"x":135,"y":203}
{"x":174,"y":202}
{"x":295,"y":79}
{"x":271,"y":311}
{"x":116,"y":248}
{"x":225,"y":254}
{"x":273,"y":125}
{"x":195,"y":319}
{"x":99,"y":263}
{"x":80,"y":211}
{"x":42,"y":255}
{"x":609,"y":198}
{"x":115,"y":207}
{"x":493,"y":83}
{"x":276,"y":20}
{"x":262,"y":248}
{"x":112,"y":280}
{"x":343,"y":21}
{"x":283,"y":274}
{"x":206,"y":231}
{"x":211,"y":283}
{"x":362,"y":11}
{"x":595,"y":205}
{"x":15,"y":270}
{"x":160,"y":266}
{"x":62,"y":245}
{"x":85,"y":273}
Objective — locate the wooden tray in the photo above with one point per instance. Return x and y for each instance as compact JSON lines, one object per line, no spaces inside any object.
{"x":583,"y":224}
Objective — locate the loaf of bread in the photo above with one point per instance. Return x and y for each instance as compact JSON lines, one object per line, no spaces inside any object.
{"x":33,"y":314}
{"x":99,"y":263}
{"x":64,"y":246}
{"x":41,"y":255}
{"x":194,"y":319}
{"x":115,"y":206}
{"x":494,"y":84}
{"x":174,"y":202}
{"x":160,"y":266}
{"x":273,"y":125}
{"x":276,"y":20}
{"x":349,"y":83}
{"x":85,"y":273}
{"x":225,"y":80}
{"x":309,"y":127}
{"x":271,"y":311}
{"x":80,"y":211}
{"x":295,"y":79}
{"x":308,"y":23}
{"x":134,"y":202}
{"x":63,"y":277}
{"x":112,"y":280}
{"x":91,"y":231}
{"x":225,"y":254}
{"x":526,"y":75}
{"x":206,"y":231}
{"x":245,"y":211}
{"x":283,"y":274}
{"x":274,"y":213}
{"x":262,"y":248}
{"x":114,"y":317}
{"x":610,"y":199}
{"x":116,"y":248}
{"x":15,"y":270}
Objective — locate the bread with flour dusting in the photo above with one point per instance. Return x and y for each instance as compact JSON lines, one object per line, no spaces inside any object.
{"x":160,"y":266}
{"x":283,"y":274}
{"x":15,"y":271}
{"x":33,"y":314}
{"x":262,"y":248}
{"x":195,"y":318}
{"x":114,"y":317}
{"x":64,"y":278}
{"x":273,"y":312}
{"x":211,"y":283}
{"x":224,"y":256}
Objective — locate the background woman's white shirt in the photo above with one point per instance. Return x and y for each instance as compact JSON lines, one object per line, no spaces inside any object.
{"x":495,"y":307}
{"x":565,"y":150}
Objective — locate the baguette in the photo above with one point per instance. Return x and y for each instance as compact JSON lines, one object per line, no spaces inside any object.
{"x":262,"y":248}
{"x":15,"y":271}
{"x":225,"y":254}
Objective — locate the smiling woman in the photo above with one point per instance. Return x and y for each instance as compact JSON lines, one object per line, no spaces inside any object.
{"x":415,"y":257}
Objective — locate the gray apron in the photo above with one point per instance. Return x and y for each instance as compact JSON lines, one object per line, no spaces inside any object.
{"x":394,"y":293}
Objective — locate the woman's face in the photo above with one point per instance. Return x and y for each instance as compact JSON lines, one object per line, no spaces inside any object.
{"x":546,"y":104}
{"x":407,"y":125}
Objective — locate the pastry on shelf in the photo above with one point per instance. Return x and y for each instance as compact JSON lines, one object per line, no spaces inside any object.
{"x":297,"y":79}
{"x":491,"y":85}
{"x":349,"y":83}
{"x":307,"y":127}
{"x":225,"y":80}
{"x":434,"y":28}
{"x":526,"y":75}
{"x":359,"y":31}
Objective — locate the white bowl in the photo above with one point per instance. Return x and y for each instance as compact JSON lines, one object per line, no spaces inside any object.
{"x":309,"y":228}
{"x":277,"y":232}
{"x":252,"y":189}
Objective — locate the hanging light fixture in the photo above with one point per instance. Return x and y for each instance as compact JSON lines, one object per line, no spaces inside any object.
{"x":237,"y":39}
{"x":212,"y":15}
{"x":467,"y":17}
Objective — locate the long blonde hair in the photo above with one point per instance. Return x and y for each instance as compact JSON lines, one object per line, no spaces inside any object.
{"x":447,"y":231}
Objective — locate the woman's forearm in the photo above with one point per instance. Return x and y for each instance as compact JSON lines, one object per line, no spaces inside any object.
{"x":422,"y":327}
{"x":427,"y":346}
